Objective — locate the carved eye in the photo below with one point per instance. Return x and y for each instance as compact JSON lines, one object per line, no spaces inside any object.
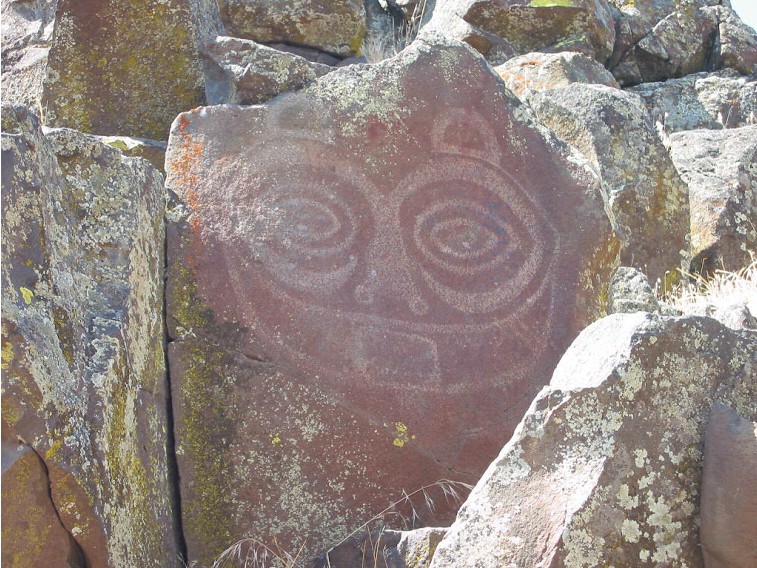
{"x":305,"y":232}
{"x":477,"y":240}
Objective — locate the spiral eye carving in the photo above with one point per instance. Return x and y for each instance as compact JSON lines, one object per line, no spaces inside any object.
{"x":479,"y":242}
{"x":305,"y":234}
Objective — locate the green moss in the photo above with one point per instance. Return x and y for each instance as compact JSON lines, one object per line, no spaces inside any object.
{"x":551,"y":3}
{"x":206,"y":514}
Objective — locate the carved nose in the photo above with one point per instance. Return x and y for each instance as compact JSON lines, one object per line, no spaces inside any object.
{"x":386,"y":279}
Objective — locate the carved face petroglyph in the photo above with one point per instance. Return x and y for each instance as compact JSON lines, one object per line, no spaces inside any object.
{"x":430,"y":283}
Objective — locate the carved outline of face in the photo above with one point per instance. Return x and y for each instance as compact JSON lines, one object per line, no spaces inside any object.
{"x":402,"y":271}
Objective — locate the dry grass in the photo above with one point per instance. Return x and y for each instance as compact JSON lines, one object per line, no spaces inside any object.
{"x":405,"y":514}
{"x":700,"y":295}
{"x":379,"y":47}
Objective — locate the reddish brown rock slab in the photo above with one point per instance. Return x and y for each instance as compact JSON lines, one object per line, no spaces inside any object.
{"x":33,"y":534}
{"x":368,"y":281}
{"x":126,"y":68}
{"x":728,"y":527}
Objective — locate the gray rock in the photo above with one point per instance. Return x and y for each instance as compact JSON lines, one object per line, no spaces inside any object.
{"x":26,"y":34}
{"x":630,"y":292}
{"x":728,"y":527}
{"x":336,"y":27}
{"x":722,"y":99}
{"x":243,"y":72}
{"x":84,"y":381}
{"x":417,"y":548}
{"x":501,"y":30}
{"x":604,"y":469}
{"x":644,"y":196}
{"x":720,"y":168}
{"x":542,"y":71}
{"x":154,"y":151}
{"x":126,"y":69}
{"x":737,"y":42}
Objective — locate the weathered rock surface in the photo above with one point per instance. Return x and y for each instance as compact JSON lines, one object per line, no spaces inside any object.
{"x":507,"y":28}
{"x":630,"y":292}
{"x":127,"y":68}
{"x":728,"y":526}
{"x":84,"y":380}
{"x":333,"y":26}
{"x":154,"y":151}
{"x":646,"y":200}
{"x":33,"y":534}
{"x":604,"y":469}
{"x":662,"y":39}
{"x":541,"y":71}
{"x":244,"y":72}
{"x":384,"y":549}
{"x":720,"y":168}
{"x":704,"y":100}
{"x":26,"y":33}
{"x":363,"y":281}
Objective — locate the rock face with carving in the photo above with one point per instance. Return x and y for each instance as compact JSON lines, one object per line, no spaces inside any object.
{"x":374,"y":272}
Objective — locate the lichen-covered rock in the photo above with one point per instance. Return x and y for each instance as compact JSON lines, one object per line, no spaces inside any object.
{"x":154,"y":151}
{"x":244,"y":72}
{"x":126,"y":68}
{"x":728,"y":527}
{"x":417,"y":547}
{"x":737,"y":42}
{"x":645,"y":198}
{"x":723,"y":99}
{"x":541,"y":71}
{"x":720,"y":168}
{"x":365,"y":280}
{"x":662,"y":39}
{"x":333,"y":26}
{"x":507,"y":28}
{"x":26,"y":33}
{"x":630,"y":292}
{"x":33,"y":534}
{"x":604,"y":469}
{"x":84,"y":380}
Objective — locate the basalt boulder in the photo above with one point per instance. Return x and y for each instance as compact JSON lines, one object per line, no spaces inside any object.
{"x":126,"y":68}
{"x":646,"y":199}
{"x":364,"y":280}
{"x":723,"y":99}
{"x":504,"y":29}
{"x":335,"y":27}
{"x":605,"y":468}
{"x":720,"y":168}
{"x":84,"y":381}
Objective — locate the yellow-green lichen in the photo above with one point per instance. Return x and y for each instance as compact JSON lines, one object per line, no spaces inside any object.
{"x":26,"y":294}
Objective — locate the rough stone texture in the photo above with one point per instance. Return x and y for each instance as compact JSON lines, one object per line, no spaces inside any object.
{"x":84,"y":380}
{"x":630,"y":292}
{"x":737,"y":42}
{"x":154,"y":151}
{"x":542,"y":71}
{"x":704,"y":100}
{"x":333,"y":26}
{"x":646,"y":200}
{"x":126,"y":68}
{"x":416,"y":548}
{"x":728,"y":527}
{"x":604,"y":469}
{"x":244,"y":72}
{"x":507,"y":28}
{"x":662,"y":39}
{"x":363,"y":280}
{"x":26,"y":27}
{"x":384,"y":549}
{"x":33,"y":535}
{"x":720,"y":167}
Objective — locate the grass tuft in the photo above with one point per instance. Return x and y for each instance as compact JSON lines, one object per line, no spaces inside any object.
{"x":379,"y":47}
{"x":697,"y":294}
